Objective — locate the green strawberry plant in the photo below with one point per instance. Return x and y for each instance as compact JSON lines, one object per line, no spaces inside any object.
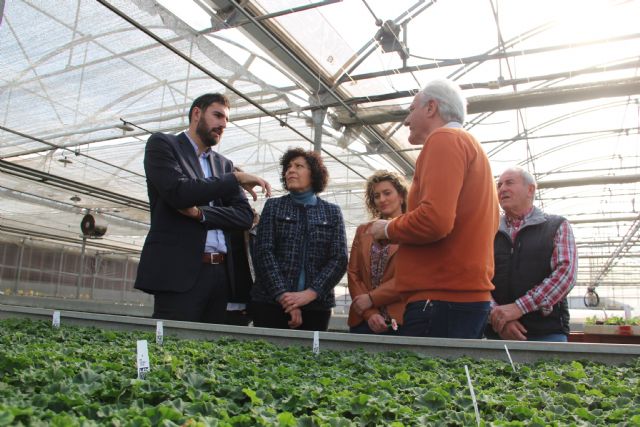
{"x":73,"y":376}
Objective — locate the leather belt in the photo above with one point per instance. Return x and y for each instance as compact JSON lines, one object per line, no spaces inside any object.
{"x":213,"y":258}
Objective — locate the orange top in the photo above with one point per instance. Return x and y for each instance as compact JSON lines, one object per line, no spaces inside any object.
{"x":446,"y":236}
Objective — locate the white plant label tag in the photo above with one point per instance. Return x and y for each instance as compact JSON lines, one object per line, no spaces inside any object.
{"x":510,"y":360}
{"x":316,"y":342}
{"x":143,"y":359}
{"x":159,"y":332}
{"x":56,"y":319}
{"x":473,"y":395}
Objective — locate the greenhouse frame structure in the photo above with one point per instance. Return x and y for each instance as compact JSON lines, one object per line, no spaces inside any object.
{"x":552,"y":88}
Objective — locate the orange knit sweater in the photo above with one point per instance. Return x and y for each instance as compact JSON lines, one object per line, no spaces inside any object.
{"x":446,"y":236}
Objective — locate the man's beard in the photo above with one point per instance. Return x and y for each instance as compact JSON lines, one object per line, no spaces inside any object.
{"x":205,"y":134}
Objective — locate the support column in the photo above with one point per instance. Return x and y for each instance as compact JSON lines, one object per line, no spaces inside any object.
{"x":96,"y":267}
{"x":81,"y":273}
{"x":19,"y":267}
{"x":125,"y":273}
{"x":318,"y":116}
{"x":60,"y":270}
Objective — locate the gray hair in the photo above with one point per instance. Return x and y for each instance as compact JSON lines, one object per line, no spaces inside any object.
{"x":451,"y":102}
{"x":527,"y":178}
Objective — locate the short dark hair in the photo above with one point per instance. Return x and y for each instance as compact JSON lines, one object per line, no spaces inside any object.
{"x":319,"y":172}
{"x":203,"y":102}
{"x":379,"y":176}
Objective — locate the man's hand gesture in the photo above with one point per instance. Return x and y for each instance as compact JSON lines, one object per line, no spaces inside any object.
{"x":248,"y":181}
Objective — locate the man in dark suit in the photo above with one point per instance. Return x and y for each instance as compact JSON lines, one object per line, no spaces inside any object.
{"x":196,"y":199}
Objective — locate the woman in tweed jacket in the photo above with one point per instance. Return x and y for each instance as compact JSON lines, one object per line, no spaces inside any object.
{"x":300,"y":249}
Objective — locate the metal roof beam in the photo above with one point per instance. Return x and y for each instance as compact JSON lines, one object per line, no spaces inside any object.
{"x":273,"y":41}
{"x":440,"y":63}
{"x":628,"y":241}
{"x":604,"y":219}
{"x":501,"y":102}
{"x":57,"y":238}
{"x":554,"y":95}
{"x":70,"y":185}
{"x":596,"y":180}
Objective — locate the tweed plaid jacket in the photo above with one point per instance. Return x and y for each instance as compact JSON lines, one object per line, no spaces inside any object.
{"x":284,"y":230}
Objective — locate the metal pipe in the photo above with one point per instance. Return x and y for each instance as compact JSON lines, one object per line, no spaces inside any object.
{"x":318,"y":116}
{"x":81,"y":272}
{"x":228,"y":86}
{"x":60,"y":267}
{"x":60,"y":238}
{"x":19,"y":266}
{"x":284,"y":12}
{"x":596,"y":180}
{"x":68,"y":184}
{"x":439,"y":63}
{"x":124,"y":278}
{"x":405,"y":164}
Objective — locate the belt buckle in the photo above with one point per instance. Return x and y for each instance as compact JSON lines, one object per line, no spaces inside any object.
{"x":212,"y":256}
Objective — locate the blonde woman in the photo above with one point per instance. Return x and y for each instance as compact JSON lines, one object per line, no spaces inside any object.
{"x":376,"y":306}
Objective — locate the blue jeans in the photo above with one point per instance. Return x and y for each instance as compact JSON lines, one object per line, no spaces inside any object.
{"x":444,"y":319}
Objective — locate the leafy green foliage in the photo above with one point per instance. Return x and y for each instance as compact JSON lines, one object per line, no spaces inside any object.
{"x":85,"y":377}
{"x":613,"y":320}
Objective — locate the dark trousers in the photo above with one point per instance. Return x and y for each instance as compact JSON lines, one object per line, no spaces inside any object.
{"x":445,"y":319}
{"x":363,"y":328}
{"x":205,"y":302}
{"x":273,"y":316}
{"x":238,"y":318}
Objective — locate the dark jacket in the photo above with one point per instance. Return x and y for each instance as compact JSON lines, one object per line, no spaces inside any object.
{"x":284,"y":230}
{"x":241,"y":242}
{"x":524,"y":264}
{"x":172,"y":253}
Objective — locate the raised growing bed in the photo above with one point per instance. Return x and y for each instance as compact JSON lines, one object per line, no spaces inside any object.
{"x":612,"y":330}
{"x":521,"y":351}
{"x":612,"y":334}
{"x":86,"y":376}
{"x":625,"y":330}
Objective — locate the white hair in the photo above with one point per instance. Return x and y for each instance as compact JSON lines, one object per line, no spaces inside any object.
{"x":451,"y":102}
{"x":527,"y":178}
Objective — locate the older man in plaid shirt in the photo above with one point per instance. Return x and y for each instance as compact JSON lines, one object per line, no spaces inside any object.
{"x":535,"y":266}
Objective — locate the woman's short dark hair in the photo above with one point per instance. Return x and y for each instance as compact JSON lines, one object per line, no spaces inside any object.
{"x":319,"y":172}
{"x":379,"y":176}
{"x":203,"y":102}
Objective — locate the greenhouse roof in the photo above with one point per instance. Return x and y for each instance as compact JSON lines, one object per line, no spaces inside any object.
{"x":552,"y":86}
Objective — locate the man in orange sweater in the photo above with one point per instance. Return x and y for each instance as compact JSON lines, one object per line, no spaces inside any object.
{"x":444,"y":263}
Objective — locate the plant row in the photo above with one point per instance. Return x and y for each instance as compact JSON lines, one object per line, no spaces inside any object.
{"x":72,"y":376}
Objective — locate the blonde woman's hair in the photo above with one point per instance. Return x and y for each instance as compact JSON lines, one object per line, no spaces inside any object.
{"x":379,"y":176}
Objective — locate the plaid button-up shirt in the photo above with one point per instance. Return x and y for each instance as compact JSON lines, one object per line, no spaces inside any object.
{"x":564,"y":264}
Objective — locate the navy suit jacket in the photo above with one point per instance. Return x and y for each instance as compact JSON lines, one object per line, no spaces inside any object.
{"x":172,"y":253}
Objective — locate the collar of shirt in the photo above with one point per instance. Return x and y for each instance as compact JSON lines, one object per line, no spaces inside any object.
{"x":205,"y":154}
{"x":515,"y":224}
{"x":215,"y":241}
{"x":453,"y":124}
